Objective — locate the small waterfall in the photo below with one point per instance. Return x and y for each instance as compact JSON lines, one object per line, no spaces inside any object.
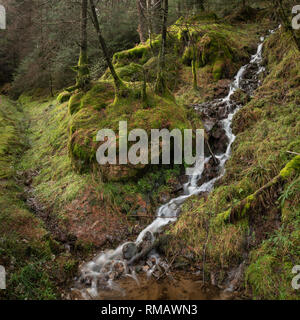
{"x":110,"y":265}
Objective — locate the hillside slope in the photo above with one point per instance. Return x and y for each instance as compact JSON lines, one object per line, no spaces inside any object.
{"x":58,"y":207}
{"x":256,"y":244}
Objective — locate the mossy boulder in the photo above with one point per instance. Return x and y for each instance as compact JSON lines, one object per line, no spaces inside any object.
{"x":130,"y":73}
{"x":139,"y":54}
{"x":157,"y":113}
{"x":210,"y":43}
{"x":98,"y":97}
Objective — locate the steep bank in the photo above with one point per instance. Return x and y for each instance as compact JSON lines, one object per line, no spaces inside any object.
{"x":26,"y":249}
{"x":249,"y":250}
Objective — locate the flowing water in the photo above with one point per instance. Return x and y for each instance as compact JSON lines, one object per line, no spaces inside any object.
{"x":110,"y":268}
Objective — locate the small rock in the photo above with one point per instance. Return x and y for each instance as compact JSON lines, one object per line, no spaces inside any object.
{"x":129,"y":251}
{"x":146,"y":268}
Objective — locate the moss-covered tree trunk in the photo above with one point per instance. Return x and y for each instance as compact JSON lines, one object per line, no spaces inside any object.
{"x":160,"y":85}
{"x":83,"y":75}
{"x":120,"y":87}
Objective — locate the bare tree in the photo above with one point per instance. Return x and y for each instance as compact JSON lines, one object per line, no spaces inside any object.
{"x":142,"y":27}
{"x":120,"y":87}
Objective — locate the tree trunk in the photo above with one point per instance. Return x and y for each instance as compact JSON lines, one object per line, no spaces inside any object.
{"x":142,"y":28}
{"x":157,"y":14}
{"x":120,"y":87}
{"x":160,"y":86}
{"x":82,"y":68}
{"x":149,"y":22}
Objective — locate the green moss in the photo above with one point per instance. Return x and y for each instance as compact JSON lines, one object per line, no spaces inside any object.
{"x":23,"y":235}
{"x":188,"y":56}
{"x":75,"y":102}
{"x":64,"y":97}
{"x":158,"y":112}
{"x":222,"y":217}
{"x":247,"y":206}
{"x":218,"y":69}
{"x":291,"y":168}
{"x":130,"y":73}
{"x":140,"y":54}
{"x":99,"y":97}
{"x":82,"y":69}
{"x":10,"y":132}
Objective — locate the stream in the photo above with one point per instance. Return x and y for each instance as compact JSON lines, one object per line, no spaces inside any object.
{"x":123,"y":273}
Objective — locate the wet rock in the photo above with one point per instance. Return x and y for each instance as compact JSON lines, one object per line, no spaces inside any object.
{"x":165,"y":197}
{"x":146,"y":268}
{"x":213,"y":110}
{"x":129,"y":250}
{"x":235,"y":278}
{"x":113,"y":275}
{"x":138,"y":269}
{"x":217,"y":131}
{"x":209,"y":124}
{"x":218,"y":139}
{"x":211,"y":170}
{"x":119,"y":268}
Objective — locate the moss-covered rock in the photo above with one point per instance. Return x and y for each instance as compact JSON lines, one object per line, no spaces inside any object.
{"x":140,"y":54}
{"x":130,"y":73}
{"x":158,"y":113}
{"x":210,"y":44}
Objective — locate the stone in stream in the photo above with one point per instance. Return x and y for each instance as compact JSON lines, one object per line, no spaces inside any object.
{"x":218,"y":139}
{"x":212,"y":170}
{"x":213,"y":110}
{"x":129,"y":250}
